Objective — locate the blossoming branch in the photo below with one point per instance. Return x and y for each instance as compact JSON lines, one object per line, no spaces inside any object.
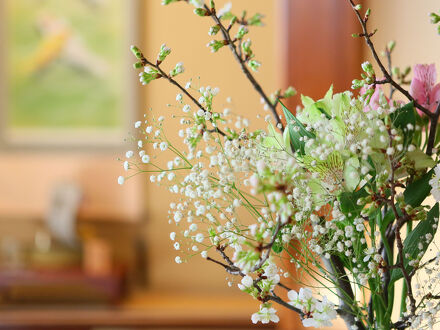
{"x":325,"y":192}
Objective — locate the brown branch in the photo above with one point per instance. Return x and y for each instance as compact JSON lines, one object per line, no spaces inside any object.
{"x":163,"y":74}
{"x":280,"y":301}
{"x":234,"y":270}
{"x":433,"y":130}
{"x":267,"y":248}
{"x":397,"y":227}
{"x":227,"y":37}
{"x":345,"y":292}
{"x":390,"y":70}
{"x":388,"y":79}
{"x":230,"y":269}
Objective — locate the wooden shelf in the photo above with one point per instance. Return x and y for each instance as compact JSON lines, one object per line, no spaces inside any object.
{"x":143,"y":310}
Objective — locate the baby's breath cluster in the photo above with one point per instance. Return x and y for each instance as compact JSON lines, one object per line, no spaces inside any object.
{"x":328,"y":194}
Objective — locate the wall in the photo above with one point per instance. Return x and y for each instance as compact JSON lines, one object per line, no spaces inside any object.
{"x":27,"y":179}
{"x":406,"y":22}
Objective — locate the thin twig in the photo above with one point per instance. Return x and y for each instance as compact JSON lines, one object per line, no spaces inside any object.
{"x":388,"y":79}
{"x":244,"y":68}
{"x":163,"y":74}
{"x":267,"y":248}
{"x":390,"y":70}
{"x":433,"y":130}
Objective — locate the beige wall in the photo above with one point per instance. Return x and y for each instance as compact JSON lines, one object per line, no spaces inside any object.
{"x":27,"y":180}
{"x":406,"y":22}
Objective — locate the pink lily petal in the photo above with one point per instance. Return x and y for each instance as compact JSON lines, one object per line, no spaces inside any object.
{"x":374,"y":100}
{"x":423,"y":87}
{"x":434,"y":98}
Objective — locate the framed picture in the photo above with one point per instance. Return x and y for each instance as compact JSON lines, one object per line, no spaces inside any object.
{"x":65,"y":76}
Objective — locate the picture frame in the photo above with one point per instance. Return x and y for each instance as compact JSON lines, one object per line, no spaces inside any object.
{"x":28,"y":124}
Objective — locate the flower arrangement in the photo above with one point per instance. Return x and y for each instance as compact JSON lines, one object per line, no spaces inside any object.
{"x":326,"y":191}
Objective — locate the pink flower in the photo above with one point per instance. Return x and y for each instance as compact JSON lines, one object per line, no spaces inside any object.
{"x":374,"y":100}
{"x":423,"y":87}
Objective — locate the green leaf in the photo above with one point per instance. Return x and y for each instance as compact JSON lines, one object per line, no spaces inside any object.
{"x":387,"y":219}
{"x":286,"y":138}
{"x":401,"y":118}
{"x":277,"y":247}
{"x":296,"y":131}
{"x":411,"y":243}
{"x":348,"y":201}
{"x":416,"y":192}
{"x":419,"y":159}
{"x":306,"y":101}
{"x":274,"y":139}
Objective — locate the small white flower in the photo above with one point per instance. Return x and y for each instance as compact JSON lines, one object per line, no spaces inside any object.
{"x":121,"y":180}
{"x":261,"y":165}
{"x":129,"y":154}
{"x":178,"y":260}
{"x":149,"y":129}
{"x":197,"y":3}
{"x":199,"y":238}
{"x":246,"y":282}
{"x":204,"y":254}
{"x":163,"y":146}
{"x":178,"y":216}
{"x":126,"y":165}
{"x":265,"y":315}
{"x":186,"y":108}
{"x":137,"y":124}
{"x":140,"y":144}
{"x":173,"y":236}
{"x":145,"y":159}
{"x":435,"y":184}
{"x":179,"y":97}
{"x":226,"y":9}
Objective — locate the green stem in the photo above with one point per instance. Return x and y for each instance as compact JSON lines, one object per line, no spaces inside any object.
{"x":404,"y":286}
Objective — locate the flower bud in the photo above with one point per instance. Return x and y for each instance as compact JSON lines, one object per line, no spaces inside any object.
{"x":289,"y":92}
{"x":391,"y":45}
{"x":167,"y":2}
{"x":241,"y":32}
{"x":163,"y":53}
{"x":138,"y":65}
{"x":434,"y":18}
{"x":136,"y":52}
{"x":367,"y":67}
{"x":254,"y":65}
{"x":214,"y":30}
{"x":202,"y":12}
{"x":255,"y":20}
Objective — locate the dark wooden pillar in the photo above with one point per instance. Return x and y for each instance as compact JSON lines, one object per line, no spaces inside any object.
{"x":317,"y":48}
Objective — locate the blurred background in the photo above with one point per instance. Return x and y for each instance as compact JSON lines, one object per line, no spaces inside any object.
{"x":78,"y":251}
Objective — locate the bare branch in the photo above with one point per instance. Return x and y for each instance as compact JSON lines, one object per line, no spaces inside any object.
{"x":163,"y":74}
{"x":227,"y":37}
{"x":388,"y":79}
